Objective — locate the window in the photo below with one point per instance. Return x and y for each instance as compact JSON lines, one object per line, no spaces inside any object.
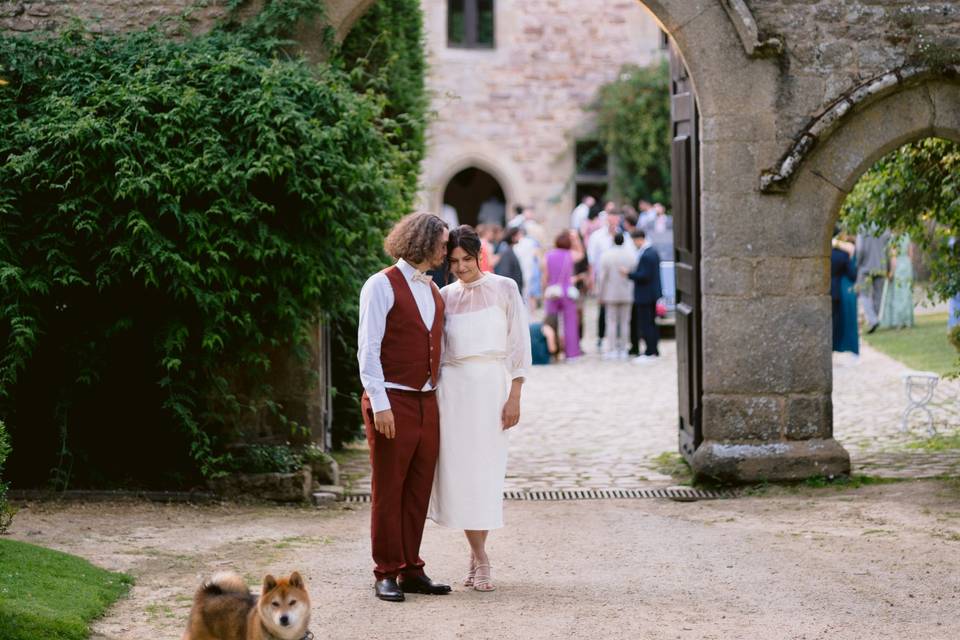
{"x":470,"y":24}
{"x":592,"y":172}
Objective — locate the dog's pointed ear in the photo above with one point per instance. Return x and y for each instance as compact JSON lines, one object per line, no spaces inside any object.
{"x":296,"y":580}
{"x":269,"y":583}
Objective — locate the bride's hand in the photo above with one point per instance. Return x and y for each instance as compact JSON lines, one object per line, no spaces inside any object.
{"x":510,"y":415}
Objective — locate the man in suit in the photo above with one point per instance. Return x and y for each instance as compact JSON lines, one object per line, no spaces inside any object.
{"x":646,"y":292}
{"x":400,"y":338}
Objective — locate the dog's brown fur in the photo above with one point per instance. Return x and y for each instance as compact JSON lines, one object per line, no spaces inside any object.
{"x":224,"y":609}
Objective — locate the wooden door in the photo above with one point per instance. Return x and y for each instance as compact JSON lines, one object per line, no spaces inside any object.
{"x":685,"y":180}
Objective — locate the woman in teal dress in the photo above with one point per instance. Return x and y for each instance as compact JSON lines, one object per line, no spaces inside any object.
{"x":896,"y":310}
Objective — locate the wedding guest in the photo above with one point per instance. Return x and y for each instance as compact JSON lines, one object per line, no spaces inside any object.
{"x":897,"y":308}
{"x":508,"y":264}
{"x":846,"y":336}
{"x":581,"y":276}
{"x":557,"y":290}
{"x":581,"y":211}
{"x":543,"y":340}
{"x":489,"y":236}
{"x":646,"y":291}
{"x":871,"y":271}
{"x":600,"y":241}
{"x":849,"y":337}
{"x":615,"y":292}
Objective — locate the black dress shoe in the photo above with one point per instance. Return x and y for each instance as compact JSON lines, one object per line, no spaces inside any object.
{"x":423,"y":584}
{"x":387,"y":589}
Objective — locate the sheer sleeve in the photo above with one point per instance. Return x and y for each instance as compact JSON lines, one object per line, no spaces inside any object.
{"x":518,"y":331}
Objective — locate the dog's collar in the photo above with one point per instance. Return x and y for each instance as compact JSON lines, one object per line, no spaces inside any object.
{"x":308,"y":636}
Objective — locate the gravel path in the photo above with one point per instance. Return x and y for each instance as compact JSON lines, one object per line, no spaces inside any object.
{"x":876,"y":562}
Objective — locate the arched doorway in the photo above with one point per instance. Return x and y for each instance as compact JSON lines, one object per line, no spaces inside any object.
{"x":918,"y":109}
{"x":476,"y":197}
{"x":891,"y":263}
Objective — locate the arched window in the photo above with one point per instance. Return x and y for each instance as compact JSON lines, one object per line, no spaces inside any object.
{"x":470,"y":24}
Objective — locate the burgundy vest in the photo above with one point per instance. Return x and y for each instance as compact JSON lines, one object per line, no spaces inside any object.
{"x":409,"y":352}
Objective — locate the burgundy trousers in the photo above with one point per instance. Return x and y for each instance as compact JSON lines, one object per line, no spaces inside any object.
{"x":403,"y":471}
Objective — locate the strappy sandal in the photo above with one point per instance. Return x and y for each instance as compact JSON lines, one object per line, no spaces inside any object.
{"x":481,"y":578}
{"x":471,"y":573}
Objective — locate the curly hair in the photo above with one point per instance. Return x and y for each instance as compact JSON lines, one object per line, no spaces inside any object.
{"x":414,"y":238}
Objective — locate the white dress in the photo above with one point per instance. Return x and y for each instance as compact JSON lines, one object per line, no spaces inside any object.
{"x":486,"y":344}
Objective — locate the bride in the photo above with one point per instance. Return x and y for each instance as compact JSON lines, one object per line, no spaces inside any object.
{"x":486,"y":353}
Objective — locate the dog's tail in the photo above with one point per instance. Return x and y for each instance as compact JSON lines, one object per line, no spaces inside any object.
{"x":224,"y":582}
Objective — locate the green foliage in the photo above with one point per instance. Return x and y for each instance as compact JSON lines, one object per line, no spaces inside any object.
{"x":274,"y":458}
{"x":915,"y":189}
{"x":384,"y":55}
{"x":6,"y":511}
{"x":48,"y":594}
{"x":633,"y":121}
{"x":267,"y":458}
{"x":208,"y":197}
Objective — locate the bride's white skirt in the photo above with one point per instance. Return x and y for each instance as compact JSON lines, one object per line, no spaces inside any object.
{"x":468,"y":484}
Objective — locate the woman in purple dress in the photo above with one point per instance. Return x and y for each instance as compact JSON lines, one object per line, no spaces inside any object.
{"x":557,"y":290}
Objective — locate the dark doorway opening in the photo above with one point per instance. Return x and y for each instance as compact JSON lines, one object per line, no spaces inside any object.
{"x":477,"y":197}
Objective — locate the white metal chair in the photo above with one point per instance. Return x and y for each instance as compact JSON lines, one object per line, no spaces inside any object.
{"x":919,"y":386}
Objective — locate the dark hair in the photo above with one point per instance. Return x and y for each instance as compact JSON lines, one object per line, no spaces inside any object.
{"x":467,"y":239}
{"x":638,"y":233}
{"x":618,"y":238}
{"x":414,"y":237}
{"x":563,"y":240}
{"x":510,"y":237}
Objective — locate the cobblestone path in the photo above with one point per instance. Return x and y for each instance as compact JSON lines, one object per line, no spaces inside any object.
{"x":594,"y":423}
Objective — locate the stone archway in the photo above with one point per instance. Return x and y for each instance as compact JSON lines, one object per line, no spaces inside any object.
{"x":477,"y":157}
{"x":477,"y":197}
{"x":791,"y":291}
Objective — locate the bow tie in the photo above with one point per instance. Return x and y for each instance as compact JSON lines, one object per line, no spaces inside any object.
{"x":422,"y":277}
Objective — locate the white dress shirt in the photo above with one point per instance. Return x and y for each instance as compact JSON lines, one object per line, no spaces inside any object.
{"x":376,"y":300}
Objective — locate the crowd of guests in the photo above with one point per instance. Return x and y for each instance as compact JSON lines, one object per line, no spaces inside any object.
{"x":870,"y":274}
{"x":611,"y":253}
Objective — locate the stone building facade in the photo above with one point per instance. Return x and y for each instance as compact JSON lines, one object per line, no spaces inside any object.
{"x":516,"y":110}
{"x":796,"y":99}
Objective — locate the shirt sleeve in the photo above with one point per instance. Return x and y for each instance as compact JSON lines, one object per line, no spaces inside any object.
{"x":376,"y":300}
{"x":519,"y":357}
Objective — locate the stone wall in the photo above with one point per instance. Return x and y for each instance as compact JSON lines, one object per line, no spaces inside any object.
{"x":25,"y":16}
{"x":834,"y":45}
{"x":515,"y":111}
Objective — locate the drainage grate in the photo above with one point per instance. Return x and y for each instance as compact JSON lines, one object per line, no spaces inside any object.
{"x":673,"y":493}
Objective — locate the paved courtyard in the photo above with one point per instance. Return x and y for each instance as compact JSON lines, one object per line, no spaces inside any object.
{"x":593,"y":423}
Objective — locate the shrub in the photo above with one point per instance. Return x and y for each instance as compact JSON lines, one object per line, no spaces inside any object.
{"x":173,"y":212}
{"x":384,"y":55}
{"x":633,"y":123}
{"x":6,"y":511}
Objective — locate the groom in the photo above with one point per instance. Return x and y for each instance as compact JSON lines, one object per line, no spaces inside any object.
{"x":399,"y":340}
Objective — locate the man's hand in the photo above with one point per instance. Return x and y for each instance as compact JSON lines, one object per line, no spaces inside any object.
{"x":383,"y":422}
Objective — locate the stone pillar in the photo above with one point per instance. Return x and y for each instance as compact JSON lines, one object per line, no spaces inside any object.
{"x":767,"y":411}
{"x":767,"y":367}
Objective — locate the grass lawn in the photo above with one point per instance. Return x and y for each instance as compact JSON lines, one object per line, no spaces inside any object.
{"x":45,"y":594}
{"x":923,"y":347}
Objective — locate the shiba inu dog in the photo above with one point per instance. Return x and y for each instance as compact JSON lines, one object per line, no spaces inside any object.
{"x":224,"y":609}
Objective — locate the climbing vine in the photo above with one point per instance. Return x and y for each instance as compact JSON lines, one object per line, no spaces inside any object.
{"x":178,"y":210}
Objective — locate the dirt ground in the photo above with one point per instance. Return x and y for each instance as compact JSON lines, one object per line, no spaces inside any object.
{"x":874,"y":562}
